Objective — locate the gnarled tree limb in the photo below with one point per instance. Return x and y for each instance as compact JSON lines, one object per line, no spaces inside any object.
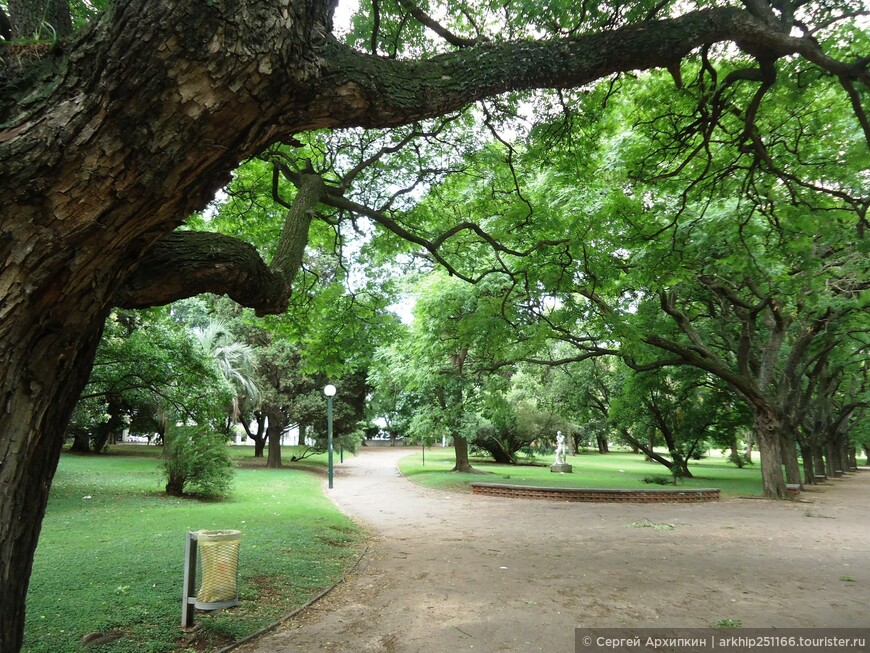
{"x":187,"y":263}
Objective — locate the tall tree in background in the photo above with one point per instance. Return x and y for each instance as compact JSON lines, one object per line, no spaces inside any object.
{"x":110,"y":139}
{"x":736,"y":264}
{"x":235,"y":361}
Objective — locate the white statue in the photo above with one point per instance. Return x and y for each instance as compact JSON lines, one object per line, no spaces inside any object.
{"x":560,"y":448}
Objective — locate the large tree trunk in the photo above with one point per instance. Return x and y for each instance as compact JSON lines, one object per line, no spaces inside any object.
{"x":112,"y":426}
{"x":750,"y":443}
{"x":47,"y":361}
{"x":790,"y":460}
{"x":102,"y":163}
{"x":831,"y":468}
{"x":81,"y":442}
{"x":843,"y":453}
{"x":818,"y":460}
{"x":807,"y":458}
{"x":273,"y":434}
{"x":768,"y":437}
{"x":455,"y":408}
{"x":735,"y":456}
{"x":460,"y":448}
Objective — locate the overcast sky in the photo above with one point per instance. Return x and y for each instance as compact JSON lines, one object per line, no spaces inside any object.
{"x":342,"y":14}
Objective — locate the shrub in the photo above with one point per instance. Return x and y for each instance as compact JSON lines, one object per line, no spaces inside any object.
{"x":658,"y":479}
{"x":198,"y":461}
{"x":739,"y":459}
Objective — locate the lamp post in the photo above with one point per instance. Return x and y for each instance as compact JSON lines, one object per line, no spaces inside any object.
{"x":329,"y":391}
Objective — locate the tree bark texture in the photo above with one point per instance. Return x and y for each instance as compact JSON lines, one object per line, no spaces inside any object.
{"x":806,"y":453}
{"x":40,"y":19}
{"x":790,"y":460}
{"x":819,"y":461}
{"x":460,"y":449}
{"x":830,"y":461}
{"x":768,"y":436}
{"x":277,"y":424}
{"x":109,"y":141}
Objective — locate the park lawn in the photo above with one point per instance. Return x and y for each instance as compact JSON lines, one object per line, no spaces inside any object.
{"x":111,"y":554}
{"x":591,"y":470}
{"x":315,"y":462}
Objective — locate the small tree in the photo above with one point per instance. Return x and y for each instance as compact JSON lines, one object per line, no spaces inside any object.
{"x":198,"y":459}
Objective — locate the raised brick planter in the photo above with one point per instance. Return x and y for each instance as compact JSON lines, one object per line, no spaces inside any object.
{"x":593,"y":495}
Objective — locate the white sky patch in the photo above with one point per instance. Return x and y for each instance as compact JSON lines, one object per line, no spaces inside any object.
{"x":343,"y":12}
{"x":404,"y":309}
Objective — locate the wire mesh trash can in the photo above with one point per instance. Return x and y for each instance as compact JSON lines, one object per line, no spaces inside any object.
{"x":213,"y":556}
{"x":218,"y":555}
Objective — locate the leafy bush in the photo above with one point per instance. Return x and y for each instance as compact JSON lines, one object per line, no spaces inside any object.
{"x":197,"y":460}
{"x":658,"y":479}
{"x":739,"y":459}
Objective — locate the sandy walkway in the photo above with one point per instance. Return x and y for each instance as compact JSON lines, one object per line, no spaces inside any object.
{"x":456,"y":572}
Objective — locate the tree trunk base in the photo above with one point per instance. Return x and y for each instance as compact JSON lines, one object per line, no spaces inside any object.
{"x":465,"y":469}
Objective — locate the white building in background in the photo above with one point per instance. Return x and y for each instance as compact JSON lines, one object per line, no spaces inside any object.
{"x":290,"y":436}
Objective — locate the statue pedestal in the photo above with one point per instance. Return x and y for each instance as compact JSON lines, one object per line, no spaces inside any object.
{"x":561,"y":468}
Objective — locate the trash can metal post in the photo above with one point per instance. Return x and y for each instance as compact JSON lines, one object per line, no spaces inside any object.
{"x":187,"y":600}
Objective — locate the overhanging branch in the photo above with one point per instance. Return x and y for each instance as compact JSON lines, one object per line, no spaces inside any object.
{"x":187,"y":263}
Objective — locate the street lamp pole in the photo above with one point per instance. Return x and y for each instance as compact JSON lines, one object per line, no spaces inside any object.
{"x":329,"y":391}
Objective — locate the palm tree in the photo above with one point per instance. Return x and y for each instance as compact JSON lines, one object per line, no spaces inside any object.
{"x":236,"y":362}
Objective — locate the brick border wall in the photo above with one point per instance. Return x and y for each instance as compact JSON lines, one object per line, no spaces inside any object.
{"x":591,"y":495}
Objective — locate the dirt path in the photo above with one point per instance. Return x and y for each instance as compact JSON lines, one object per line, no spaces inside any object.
{"x":453,"y":572}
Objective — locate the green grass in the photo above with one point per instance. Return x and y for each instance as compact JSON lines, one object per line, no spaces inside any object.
{"x":111,"y":554}
{"x":244,"y":456}
{"x":592,"y":470}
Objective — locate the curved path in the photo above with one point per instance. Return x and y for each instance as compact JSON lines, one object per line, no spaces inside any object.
{"x":451,"y":572}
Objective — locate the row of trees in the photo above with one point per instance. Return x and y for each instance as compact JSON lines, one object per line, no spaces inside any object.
{"x":660,"y":244}
{"x":727,"y":273}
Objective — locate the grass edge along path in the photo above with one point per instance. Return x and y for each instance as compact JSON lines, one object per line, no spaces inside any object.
{"x":111,"y":553}
{"x":616,"y":470}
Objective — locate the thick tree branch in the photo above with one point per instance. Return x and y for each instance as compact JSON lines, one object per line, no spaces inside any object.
{"x":294,"y":235}
{"x":107,"y":190}
{"x":689,"y":355}
{"x":188,"y":263}
{"x":857,"y":107}
{"x":382,"y":92}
